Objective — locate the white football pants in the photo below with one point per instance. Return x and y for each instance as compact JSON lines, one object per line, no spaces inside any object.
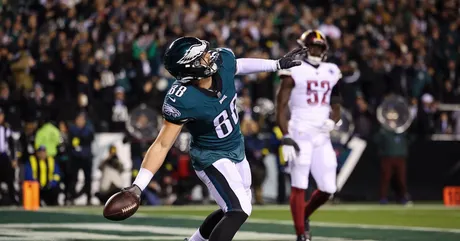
{"x":316,"y":156}
{"x":229,"y":184}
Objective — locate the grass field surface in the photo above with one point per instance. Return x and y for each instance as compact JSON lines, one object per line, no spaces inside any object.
{"x":334,"y":223}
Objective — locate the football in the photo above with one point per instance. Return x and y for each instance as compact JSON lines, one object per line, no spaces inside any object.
{"x":121,"y":206}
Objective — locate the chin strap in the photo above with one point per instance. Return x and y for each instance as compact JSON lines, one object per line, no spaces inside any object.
{"x":314,"y":60}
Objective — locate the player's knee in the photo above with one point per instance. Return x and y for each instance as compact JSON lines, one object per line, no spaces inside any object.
{"x":237,"y":216}
{"x":329,"y":189}
{"x":299,"y":184}
{"x":244,"y":206}
{"x":247,"y":209}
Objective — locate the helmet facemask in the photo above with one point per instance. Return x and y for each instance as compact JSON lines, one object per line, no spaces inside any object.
{"x":210,"y":64}
{"x":316,"y":53}
{"x":202,"y":66}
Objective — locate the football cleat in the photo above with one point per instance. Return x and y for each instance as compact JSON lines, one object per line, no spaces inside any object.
{"x":307,"y":230}
{"x":301,"y":238}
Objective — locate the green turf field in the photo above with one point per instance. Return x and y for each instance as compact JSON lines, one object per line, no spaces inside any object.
{"x":331,"y":223}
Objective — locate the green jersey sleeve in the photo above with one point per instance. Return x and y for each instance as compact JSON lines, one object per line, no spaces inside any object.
{"x":228,"y":60}
{"x":176,"y":109}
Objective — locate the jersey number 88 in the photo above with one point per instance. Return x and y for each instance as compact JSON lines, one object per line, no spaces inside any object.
{"x":222,"y":122}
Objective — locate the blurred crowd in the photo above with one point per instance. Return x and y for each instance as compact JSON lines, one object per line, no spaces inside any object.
{"x":78,"y":67}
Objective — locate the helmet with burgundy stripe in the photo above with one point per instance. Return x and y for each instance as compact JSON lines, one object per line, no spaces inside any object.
{"x":317,"y":46}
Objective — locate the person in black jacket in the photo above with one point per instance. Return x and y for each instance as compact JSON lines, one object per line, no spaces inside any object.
{"x":81,"y":135}
{"x":63,"y":159}
{"x":8,"y":161}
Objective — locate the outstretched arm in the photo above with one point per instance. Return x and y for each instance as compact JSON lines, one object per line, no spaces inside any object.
{"x":251,"y":65}
{"x":157,"y":152}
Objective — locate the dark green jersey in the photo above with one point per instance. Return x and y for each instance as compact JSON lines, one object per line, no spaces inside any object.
{"x":210,"y":116}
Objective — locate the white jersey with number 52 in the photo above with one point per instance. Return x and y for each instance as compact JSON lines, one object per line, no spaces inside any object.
{"x":310,"y":98}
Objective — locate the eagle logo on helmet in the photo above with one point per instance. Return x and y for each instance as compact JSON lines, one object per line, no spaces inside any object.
{"x":192,"y":53}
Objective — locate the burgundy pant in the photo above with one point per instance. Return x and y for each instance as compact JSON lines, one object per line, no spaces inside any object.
{"x":390,"y":166}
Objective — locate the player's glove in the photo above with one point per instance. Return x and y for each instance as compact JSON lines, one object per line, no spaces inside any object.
{"x":289,"y":60}
{"x":328,"y":125}
{"x":133,"y":189}
{"x":290,"y":148}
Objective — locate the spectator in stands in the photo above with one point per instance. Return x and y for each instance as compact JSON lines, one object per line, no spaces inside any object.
{"x":178,"y":166}
{"x":8,"y":161}
{"x":254,"y":153}
{"x":22,"y":64}
{"x":364,"y":119}
{"x":456,"y":118}
{"x":152,"y":193}
{"x":453,"y":72}
{"x":63,"y":159}
{"x":27,"y":140}
{"x":111,"y":180}
{"x":9,"y":104}
{"x":448,"y":94}
{"x":374,"y":82}
{"x":119,"y":111}
{"x":104,"y":82}
{"x":46,"y":73}
{"x":37,"y":104}
{"x":43,"y":169}
{"x":85,"y":68}
{"x":48,"y":135}
{"x":425,"y":124}
{"x":329,"y":29}
{"x":444,"y":125}
{"x":81,"y":135}
{"x":422,"y":81}
{"x":91,"y":110}
{"x":5,"y":57}
{"x":140,"y":136}
{"x":393,"y":151}
{"x":274,"y":147}
{"x":143,"y":70}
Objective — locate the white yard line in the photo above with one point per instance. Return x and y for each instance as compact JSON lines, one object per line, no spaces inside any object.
{"x":320,"y":224}
{"x":79,"y":210}
{"x":281,"y":222}
{"x":21,"y":230}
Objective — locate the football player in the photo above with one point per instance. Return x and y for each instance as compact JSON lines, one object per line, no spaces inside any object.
{"x":204,"y":99}
{"x":306,"y":144}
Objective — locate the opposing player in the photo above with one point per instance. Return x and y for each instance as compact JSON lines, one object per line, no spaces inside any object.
{"x":306,"y":145}
{"x":204,"y":99}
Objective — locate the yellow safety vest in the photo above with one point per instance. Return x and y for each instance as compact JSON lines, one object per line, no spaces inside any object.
{"x":46,"y":173}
